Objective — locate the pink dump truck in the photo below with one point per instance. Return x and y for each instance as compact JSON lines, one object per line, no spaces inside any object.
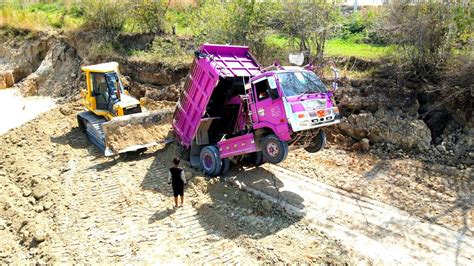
{"x":233,"y":109}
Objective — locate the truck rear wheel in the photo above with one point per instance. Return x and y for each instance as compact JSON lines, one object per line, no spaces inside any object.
{"x":256,"y":158}
{"x":210,"y":160}
{"x":225,"y":166}
{"x":317,"y":143}
{"x":273,"y":149}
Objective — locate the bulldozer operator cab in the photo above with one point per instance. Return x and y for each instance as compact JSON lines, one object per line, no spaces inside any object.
{"x":106,"y":88}
{"x":105,"y":94}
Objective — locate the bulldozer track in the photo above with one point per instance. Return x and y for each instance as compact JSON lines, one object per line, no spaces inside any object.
{"x":374,"y":229}
{"x":120,"y":225}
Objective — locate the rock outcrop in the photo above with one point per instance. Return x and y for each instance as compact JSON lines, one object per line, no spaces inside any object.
{"x":388,"y":126}
{"x":382,"y":112}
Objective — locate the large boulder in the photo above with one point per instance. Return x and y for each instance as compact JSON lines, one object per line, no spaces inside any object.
{"x":376,"y":94}
{"x":389,"y":127}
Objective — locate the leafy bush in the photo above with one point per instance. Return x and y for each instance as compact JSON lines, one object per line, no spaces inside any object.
{"x":38,"y":16}
{"x":426,"y":34}
{"x":167,"y":50}
{"x":149,"y":15}
{"x":359,"y":27}
{"x":108,"y":15}
{"x":238,"y":22}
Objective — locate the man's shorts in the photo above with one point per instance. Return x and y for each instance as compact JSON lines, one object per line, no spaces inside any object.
{"x":178,"y":190}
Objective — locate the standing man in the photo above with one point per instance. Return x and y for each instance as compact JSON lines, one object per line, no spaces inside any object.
{"x":177,"y":179}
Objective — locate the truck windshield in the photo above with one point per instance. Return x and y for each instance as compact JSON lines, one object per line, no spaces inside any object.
{"x":300,"y":82}
{"x":113,"y":82}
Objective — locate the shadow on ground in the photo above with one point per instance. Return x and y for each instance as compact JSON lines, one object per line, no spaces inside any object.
{"x":230,"y":213}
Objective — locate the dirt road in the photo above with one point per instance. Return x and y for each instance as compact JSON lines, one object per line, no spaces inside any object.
{"x":381,"y":232}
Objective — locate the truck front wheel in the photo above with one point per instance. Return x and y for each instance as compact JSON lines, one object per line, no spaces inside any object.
{"x":210,"y":160}
{"x":273,"y":149}
{"x":317,"y":143}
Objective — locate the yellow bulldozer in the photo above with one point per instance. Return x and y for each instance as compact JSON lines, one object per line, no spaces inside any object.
{"x":115,"y":121}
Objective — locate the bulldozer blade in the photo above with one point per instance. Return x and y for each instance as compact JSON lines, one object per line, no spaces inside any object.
{"x":137,"y":131}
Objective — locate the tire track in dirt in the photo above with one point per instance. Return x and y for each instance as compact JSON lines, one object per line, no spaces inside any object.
{"x":118,"y":217}
{"x":374,"y":229}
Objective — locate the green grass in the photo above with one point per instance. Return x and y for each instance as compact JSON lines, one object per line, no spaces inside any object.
{"x":181,"y":20}
{"x":277,"y":40}
{"x":338,"y":47}
{"x":39,"y":16}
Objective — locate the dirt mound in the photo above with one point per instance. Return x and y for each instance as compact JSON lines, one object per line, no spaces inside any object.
{"x":22,"y":54}
{"x":29,"y":190}
{"x":152,"y":105}
{"x":402,"y":115}
{"x":40,"y":64}
{"x":157,"y":93}
{"x":140,"y":129}
{"x":408,"y":133}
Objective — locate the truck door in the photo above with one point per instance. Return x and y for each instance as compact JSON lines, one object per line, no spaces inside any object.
{"x":268,"y":109}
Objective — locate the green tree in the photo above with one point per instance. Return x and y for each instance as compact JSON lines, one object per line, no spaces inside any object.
{"x":308,"y":23}
{"x":426,"y":33}
{"x":149,"y":15}
{"x":239,"y":22}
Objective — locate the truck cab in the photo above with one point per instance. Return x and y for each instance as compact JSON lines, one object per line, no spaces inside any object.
{"x":291,"y":100}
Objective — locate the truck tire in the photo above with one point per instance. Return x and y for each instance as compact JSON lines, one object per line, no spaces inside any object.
{"x":225,"y":166}
{"x":273,"y":149}
{"x":256,"y":158}
{"x":317,"y":143}
{"x":210,"y":160}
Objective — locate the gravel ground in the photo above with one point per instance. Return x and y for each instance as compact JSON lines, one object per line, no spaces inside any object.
{"x":61,"y":201}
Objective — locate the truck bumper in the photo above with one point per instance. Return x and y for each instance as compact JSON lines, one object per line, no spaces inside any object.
{"x":307,"y":125}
